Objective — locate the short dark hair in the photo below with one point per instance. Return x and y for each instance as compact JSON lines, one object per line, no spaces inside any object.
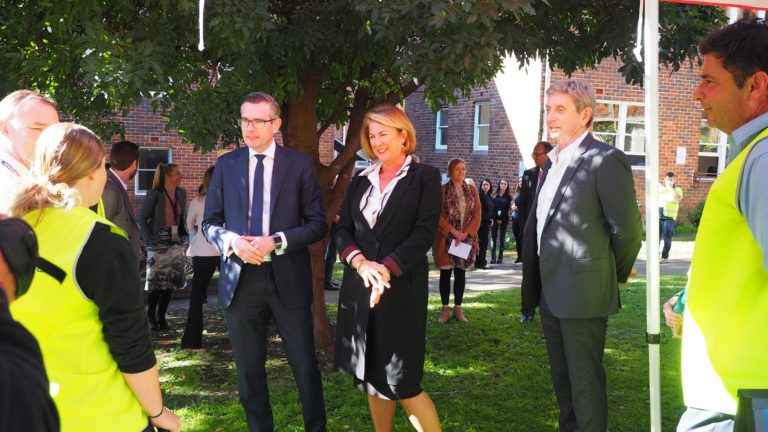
{"x":261,"y":97}
{"x":670,"y":174}
{"x":122,"y":154}
{"x":741,"y":46}
{"x":547,"y":146}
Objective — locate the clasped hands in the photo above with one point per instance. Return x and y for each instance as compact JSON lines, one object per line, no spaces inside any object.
{"x":458,"y":236}
{"x":375,"y":276}
{"x":252,"y":250}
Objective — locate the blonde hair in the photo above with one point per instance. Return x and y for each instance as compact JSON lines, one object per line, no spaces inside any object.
{"x":162,"y":170}
{"x":65,"y":153}
{"x":390,"y":116}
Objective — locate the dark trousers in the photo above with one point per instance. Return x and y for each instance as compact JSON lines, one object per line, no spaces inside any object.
{"x":482,"y":236}
{"x":575,"y":348}
{"x":330,"y":255}
{"x":517,"y":231}
{"x":696,"y":420}
{"x":667,"y":230}
{"x":203,"y":268}
{"x":157,"y":305}
{"x":498,"y":236}
{"x":459,"y":282}
{"x":255,"y":302}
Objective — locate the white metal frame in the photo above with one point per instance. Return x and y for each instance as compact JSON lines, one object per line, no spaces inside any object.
{"x":142,"y":192}
{"x":476,"y":146}
{"x":440,"y":130}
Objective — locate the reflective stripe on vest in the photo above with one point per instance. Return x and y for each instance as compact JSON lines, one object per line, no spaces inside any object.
{"x":725,"y":342}
{"x":671,"y":205}
{"x":89,"y":391}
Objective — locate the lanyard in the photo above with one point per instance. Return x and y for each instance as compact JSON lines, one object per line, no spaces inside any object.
{"x":173,"y":207}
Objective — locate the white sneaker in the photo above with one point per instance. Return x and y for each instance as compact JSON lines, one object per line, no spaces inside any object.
{"x":664,"y":261}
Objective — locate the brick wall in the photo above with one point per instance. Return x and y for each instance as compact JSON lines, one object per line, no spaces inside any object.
{"x":502,"y":158}
{"x":679,"y":126}
{"x":147,"y":129}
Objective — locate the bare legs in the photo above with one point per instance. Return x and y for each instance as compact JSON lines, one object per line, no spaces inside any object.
{"x":420,"y":410}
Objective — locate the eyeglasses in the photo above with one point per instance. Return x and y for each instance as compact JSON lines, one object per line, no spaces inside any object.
{"x":255,"y":123}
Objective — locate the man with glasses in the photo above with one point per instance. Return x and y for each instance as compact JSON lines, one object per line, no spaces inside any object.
{"x":263,"y":209}
{"x":23,"y":116}
{"x":527,"y":195}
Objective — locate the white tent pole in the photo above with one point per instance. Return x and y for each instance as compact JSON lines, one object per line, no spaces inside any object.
{"x":651,"y":85}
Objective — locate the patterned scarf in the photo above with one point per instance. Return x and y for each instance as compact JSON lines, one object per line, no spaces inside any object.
{"x":452,"y":213}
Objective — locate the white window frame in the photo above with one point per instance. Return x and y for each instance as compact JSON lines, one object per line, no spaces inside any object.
{"x":621,"y":128}
{"x":439,"y":131}
{"x":722,"y":149}
{"x":143,"y":192}
{"x":476,"y":146}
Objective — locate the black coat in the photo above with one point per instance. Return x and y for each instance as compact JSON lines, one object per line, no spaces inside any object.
{"x":368,"y":341}
{"x":486,"y":202}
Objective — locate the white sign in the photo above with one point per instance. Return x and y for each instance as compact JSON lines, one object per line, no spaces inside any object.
{"x":680,"y":159}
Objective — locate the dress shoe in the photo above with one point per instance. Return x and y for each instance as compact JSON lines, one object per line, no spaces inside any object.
{"x":153,"y":324}
{"x":163,"y":325}
{"x":458,"y":315}
{"x":519,"y":260}
{"x":332,"y":286}
{"x":526,"y":319}
{"x":445,"y":315}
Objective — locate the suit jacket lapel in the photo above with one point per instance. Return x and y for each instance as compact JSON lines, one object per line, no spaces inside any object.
{"x":394,"y":201}
{"x":568,"y":176}
{"x":243,"y":166}
{"x":123,"y":196}
{"x":279,"y":169}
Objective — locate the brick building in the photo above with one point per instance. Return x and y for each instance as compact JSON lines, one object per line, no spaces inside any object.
{"x":495,"y":129}
{"x":158,"y":145}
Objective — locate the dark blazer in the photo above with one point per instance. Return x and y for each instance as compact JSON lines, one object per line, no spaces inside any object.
{"x":400,"y":240}
{"x":591,"y":236}
{"x":527,"y":193}
{"x":296,"y":210}
{"x":486,"y":202}
{"x":152,"y":213}
{"x":501,"y":206}
{"x":118,"y":209}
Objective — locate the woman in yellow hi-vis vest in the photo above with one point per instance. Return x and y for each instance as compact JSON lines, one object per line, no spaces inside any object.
{"x":87,"y":313}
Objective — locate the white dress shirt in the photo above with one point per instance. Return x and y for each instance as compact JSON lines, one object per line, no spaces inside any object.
{"x":560,"y":158}
{"x":198,"y":245}
{"x":12,"y":180}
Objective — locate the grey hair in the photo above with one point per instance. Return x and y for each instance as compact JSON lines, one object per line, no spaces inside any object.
{"x":581,"y":92}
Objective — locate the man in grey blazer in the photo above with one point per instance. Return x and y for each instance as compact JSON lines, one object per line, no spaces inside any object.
{"x":124,"y":162}
{"x":581,"y":239}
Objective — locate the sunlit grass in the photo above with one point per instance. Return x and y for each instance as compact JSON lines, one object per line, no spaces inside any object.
{"x":491,"y":374}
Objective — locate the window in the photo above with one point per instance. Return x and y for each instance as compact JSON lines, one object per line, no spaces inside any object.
{"x":149,"y":158}
{"x":622,"y":125}
{"x":441,"y":130}
{"x":482,"y":125}
{"x":712,"y":150}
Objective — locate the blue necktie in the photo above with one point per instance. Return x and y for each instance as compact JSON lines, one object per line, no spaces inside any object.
{"x":257,"y":202}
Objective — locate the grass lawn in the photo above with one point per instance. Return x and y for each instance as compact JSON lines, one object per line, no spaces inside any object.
{"x":489,"y":375}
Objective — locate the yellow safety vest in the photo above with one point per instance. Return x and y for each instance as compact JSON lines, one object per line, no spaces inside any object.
{"x":725,"y":342}
{"x":670,"y":204}
{"x":89,"y":391}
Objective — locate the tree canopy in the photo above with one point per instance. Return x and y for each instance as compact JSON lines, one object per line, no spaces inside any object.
{"x":327,"y":61}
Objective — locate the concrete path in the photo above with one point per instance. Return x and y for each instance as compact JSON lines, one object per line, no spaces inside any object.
{"x":510,"y":275}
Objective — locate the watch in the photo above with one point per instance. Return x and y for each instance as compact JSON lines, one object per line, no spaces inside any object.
{"x":278,"y":239}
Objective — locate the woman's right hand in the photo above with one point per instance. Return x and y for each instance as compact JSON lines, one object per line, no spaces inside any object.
{"x":167,"y":421}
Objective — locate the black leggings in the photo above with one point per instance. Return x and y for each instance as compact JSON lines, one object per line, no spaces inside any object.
{"x":158,"y":300}
{"x":458,"y":285}
{"x":204,"y":267}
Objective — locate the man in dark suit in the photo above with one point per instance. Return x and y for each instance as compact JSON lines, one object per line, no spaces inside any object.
{"x":527,"y":194}
{"x":262,"y":210}
{"x":123,"y":164}
{"x":582,"y":236}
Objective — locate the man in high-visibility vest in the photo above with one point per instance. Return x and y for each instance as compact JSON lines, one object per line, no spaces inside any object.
{"x":725,"y":343}
{"x":670,"y":196}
